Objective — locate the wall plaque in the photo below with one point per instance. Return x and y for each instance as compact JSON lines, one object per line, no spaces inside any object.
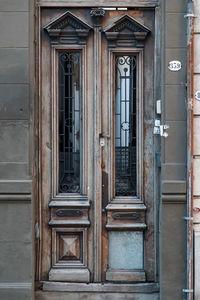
{"x":197,"y":95}
{"x":174,"y":65}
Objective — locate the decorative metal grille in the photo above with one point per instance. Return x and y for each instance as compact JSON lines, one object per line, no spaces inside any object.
{"x":125,"y":126}
{"x":69,"y":121}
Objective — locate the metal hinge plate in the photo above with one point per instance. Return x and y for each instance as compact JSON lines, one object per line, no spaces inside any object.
{"x":188,"y":291}
{"x":37,"y":231}
{"x":188,"y":218}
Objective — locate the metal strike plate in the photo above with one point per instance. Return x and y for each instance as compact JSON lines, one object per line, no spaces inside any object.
{"x":157,"y":123}
{"x":160,"y":129}
{"x":69,"y":213}
{"x":156,"y":130}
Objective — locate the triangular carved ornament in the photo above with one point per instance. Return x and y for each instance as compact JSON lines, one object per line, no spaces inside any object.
{"x":69,"y":29}
{"x":126,"y":31}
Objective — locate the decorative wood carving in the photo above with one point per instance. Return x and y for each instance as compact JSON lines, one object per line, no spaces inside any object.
{"x":126,"y":216}
{"x":71,"y":216}
{"x":69,"y":255}
{"x":70,"y":247}
{"x":126,"y":31}
{"x":69,"y":29}
{"x":70,"y":264}
{"x":97,"y":14}
{"x":69,"y":213}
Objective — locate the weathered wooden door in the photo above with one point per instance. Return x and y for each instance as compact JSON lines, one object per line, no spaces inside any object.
{"x":97,"y":177}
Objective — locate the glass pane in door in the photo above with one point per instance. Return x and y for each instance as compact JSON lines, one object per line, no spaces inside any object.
{"x":125,"y":125}
{"x":69,"y":122}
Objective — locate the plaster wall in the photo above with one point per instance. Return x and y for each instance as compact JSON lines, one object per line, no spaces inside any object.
{"x":173,"y":150}
{"x":15,"y":154}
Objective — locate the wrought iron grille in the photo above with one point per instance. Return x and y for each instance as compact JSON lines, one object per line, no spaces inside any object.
{"x":125,"y":126}
{"x":69,"y":121}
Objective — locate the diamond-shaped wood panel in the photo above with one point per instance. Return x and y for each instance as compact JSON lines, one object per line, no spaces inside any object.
{"x":70,"y":247}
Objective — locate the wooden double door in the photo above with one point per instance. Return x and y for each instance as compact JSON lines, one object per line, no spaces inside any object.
{"x":98,"y":180}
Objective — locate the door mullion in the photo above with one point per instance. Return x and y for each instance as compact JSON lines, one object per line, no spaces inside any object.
{"x":97,"y":15}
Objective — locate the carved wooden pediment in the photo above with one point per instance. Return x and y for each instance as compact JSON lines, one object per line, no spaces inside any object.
{"x":126,"y":31}
{"x":68,"y":28}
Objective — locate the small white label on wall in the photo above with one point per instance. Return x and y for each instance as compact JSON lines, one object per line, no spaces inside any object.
{"x":197,"y":95}
{"x":174,"y":65}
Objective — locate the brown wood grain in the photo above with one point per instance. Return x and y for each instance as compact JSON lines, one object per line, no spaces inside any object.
{"x":98,"y":163}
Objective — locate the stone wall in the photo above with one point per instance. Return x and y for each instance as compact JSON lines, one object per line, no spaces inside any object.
{"x":15,"y":154}
{"x":174,"y":151}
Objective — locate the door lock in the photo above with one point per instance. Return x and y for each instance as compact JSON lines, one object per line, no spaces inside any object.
{"x":102,"y":139}
{"x":160,"y":129}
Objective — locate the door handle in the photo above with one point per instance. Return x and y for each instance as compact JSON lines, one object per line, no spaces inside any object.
{"x":104,"y":135}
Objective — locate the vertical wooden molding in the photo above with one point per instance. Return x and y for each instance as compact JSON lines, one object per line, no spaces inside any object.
{"x":97,"y":15}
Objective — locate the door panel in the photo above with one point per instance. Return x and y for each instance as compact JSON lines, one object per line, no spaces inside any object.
{"x":96,"y":189}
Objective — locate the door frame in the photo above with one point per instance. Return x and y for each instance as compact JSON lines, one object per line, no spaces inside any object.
{"x":42,"y":4}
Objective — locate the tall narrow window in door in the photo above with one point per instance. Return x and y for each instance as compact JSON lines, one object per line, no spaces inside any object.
{"x":125,"y":125}
{"x":69,"y":121}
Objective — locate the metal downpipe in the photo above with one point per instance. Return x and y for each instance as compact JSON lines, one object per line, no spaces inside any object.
{"x":190,"y":66}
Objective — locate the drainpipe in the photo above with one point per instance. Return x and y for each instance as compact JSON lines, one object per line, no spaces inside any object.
{"x":190,"y":65}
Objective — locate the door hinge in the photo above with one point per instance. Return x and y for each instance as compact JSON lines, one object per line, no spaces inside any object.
{"x":188,"y":218}
{"x":190,"y":16}
{"x":37,"y":231}
{"x":160,"y":129}
{"x":188,"y":291}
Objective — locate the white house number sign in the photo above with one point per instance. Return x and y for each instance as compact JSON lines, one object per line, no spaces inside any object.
{"x":197,"y":95}
{"x":174,"y":65}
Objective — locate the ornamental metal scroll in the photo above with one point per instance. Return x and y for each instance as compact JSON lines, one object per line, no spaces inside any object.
{"x":125,"y":125}
{"x":69,"y":121}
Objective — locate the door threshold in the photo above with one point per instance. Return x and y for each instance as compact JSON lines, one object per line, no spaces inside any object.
{"x":53,"y":286}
